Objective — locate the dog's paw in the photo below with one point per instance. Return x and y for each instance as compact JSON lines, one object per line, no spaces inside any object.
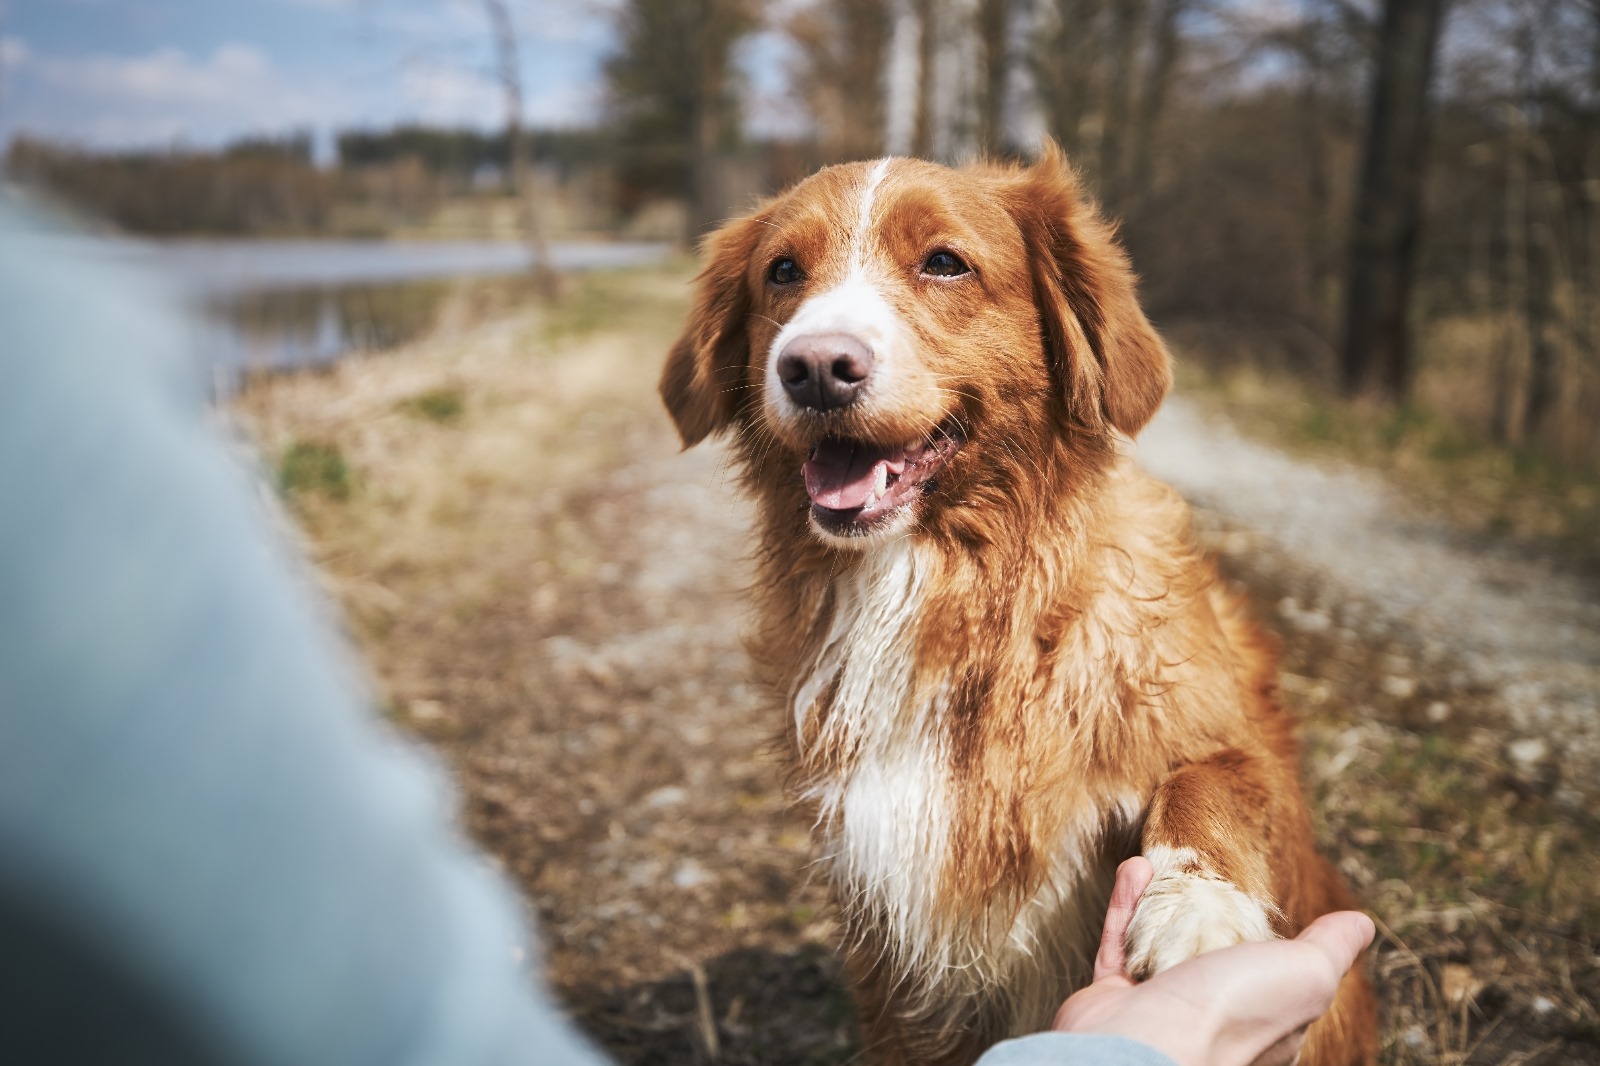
{"x":1189,"y":910}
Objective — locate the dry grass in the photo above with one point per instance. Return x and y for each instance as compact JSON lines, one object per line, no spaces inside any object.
{"x":1437,"y":448}
{"x":548,"y":593}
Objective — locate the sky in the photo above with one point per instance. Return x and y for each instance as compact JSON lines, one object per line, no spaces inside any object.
{"x":140,"y":73}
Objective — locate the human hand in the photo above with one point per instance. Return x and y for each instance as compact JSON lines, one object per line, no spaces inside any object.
{"x":1248,"y":1005}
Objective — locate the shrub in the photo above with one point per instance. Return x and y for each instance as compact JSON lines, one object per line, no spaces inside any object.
{"x":315,"y":467}
{"x":444,"y":405}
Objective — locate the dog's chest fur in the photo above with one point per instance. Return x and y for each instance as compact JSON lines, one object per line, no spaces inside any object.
{"x":873,"y":736}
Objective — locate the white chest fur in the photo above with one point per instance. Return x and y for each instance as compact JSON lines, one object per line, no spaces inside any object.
{"x":886,"y":806}
{"x":884,"y":815}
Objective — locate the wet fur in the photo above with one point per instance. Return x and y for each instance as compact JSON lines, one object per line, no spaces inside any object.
{"x":1043,"y":676}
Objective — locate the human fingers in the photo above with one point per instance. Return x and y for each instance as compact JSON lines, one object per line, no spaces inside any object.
{"x":1269,"y":993}
{"x":1341,"y":936}
{"x":1133,"y":877}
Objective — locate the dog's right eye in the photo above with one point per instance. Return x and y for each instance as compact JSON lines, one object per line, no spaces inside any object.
{"x":784,"y":272}
{"x":945,"y":265}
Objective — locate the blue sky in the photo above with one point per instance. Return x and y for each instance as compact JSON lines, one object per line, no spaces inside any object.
{"x":113,"y":73}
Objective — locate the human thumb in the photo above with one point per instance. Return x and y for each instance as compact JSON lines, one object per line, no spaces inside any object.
{"x":1341,"y":937}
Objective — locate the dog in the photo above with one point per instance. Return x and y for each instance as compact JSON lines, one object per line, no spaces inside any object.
{"x":1003,"y":663}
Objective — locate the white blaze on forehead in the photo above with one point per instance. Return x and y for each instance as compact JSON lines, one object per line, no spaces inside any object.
{"x":856,"y":305}
{"x":863,"y":229}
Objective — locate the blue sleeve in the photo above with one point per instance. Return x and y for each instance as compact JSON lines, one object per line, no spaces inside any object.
{"x":196,"y":803}
{"x":1068,"y":1049}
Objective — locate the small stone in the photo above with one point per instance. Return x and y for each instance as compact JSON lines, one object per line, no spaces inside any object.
{"x":1315,"y":622}
{"x":670,"y":796}
{"x":1438,"y":711}
{"x":426,"y":710}
{"x":1458,"y":984}
{"x":1401,"y":688}
{"x":690,"y":874}
{"x":1543,"y":1004}
{"x":1528,"y":752}
{"x":1307,"y":620}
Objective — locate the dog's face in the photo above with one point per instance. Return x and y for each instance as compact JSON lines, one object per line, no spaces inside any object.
{"x":908,"y":340}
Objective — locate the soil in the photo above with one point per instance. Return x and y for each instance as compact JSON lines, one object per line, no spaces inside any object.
{"x":548,"y":593}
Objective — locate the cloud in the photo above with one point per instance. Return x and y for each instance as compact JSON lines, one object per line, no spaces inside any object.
{"x":376,"y":62}
{"x":442,"y":93}
{"x":229,"y":76}
{"x":162,"y":96}
{"x":171,"y":96}
{"x":452,"y":95}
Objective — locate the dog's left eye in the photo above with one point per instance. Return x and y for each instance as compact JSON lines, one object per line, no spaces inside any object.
{"x":784,"y":272}
{"x":944,"y":265}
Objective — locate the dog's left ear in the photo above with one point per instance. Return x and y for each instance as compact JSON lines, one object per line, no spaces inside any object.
{"x":1113,"y":362}
{"x":701,"y":384}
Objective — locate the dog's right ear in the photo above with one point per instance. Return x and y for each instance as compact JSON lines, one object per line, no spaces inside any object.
{"x":702,"y":383}
{"x":1111,"y":358}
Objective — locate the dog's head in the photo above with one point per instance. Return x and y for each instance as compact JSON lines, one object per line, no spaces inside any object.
{"x":909,"y":340}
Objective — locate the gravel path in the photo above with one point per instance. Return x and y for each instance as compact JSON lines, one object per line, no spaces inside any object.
{"x":1518,"y":626}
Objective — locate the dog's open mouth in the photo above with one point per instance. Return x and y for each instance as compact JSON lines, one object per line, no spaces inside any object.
{"x":856,"y":486}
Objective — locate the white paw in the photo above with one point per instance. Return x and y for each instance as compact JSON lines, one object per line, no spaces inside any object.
{"x":1189,"y":910}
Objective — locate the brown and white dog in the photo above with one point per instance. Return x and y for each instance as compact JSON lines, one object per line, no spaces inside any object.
{"x":1004,"y":664}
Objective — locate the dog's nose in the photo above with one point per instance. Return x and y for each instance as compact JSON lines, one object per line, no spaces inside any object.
{"x":824,"y":371}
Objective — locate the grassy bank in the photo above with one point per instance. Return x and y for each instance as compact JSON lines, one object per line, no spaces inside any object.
{"x":1523,"y":494}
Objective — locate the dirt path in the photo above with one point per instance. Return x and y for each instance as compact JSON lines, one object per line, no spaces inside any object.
{"x":548,"y":592}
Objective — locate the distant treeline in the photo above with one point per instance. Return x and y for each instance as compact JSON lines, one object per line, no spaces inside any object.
{"x":252,"y":186}
{"x":273,"y":186}
{"x":466,"y":155}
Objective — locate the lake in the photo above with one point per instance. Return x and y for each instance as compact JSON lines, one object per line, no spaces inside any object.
{"x":274,"y":305}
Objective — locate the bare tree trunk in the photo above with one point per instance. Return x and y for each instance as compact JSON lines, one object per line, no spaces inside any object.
{"x":994,"y":24}
{"x":1586,"y":259}
{"x":1377,"y":351}
{"x":1507,"y":412}
{"x":927,"y":54}
{"x":1066,"y":69}
{"x":1542,"y":352}
{"x":706,"y":207}
{"x":508,"y":62}
{"x":1319,"y":222}
{"x":1127,"y":20}
{"x":1153,"y":98}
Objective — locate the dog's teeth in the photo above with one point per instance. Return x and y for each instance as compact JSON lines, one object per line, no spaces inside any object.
{"x":880,"y":483}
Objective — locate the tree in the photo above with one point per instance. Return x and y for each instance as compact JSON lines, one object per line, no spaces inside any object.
{"x":1376,"y":356}
{"x":928,"y":31}
{"x":1066,"y":69}
{"x":508,"y":68}
{"x":994,"y":24}
{"x":1127,"y":31}
{"x":671,"y":96}
{"x":844,"y":49}
{"x":1159,"y":71}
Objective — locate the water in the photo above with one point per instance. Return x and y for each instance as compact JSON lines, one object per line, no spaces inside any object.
{"x":277,"y":305}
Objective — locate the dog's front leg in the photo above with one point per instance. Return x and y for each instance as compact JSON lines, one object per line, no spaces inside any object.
{"x":1210,"y":833}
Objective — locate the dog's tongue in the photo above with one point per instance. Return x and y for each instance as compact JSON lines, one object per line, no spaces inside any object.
{"x":842,"y":475}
